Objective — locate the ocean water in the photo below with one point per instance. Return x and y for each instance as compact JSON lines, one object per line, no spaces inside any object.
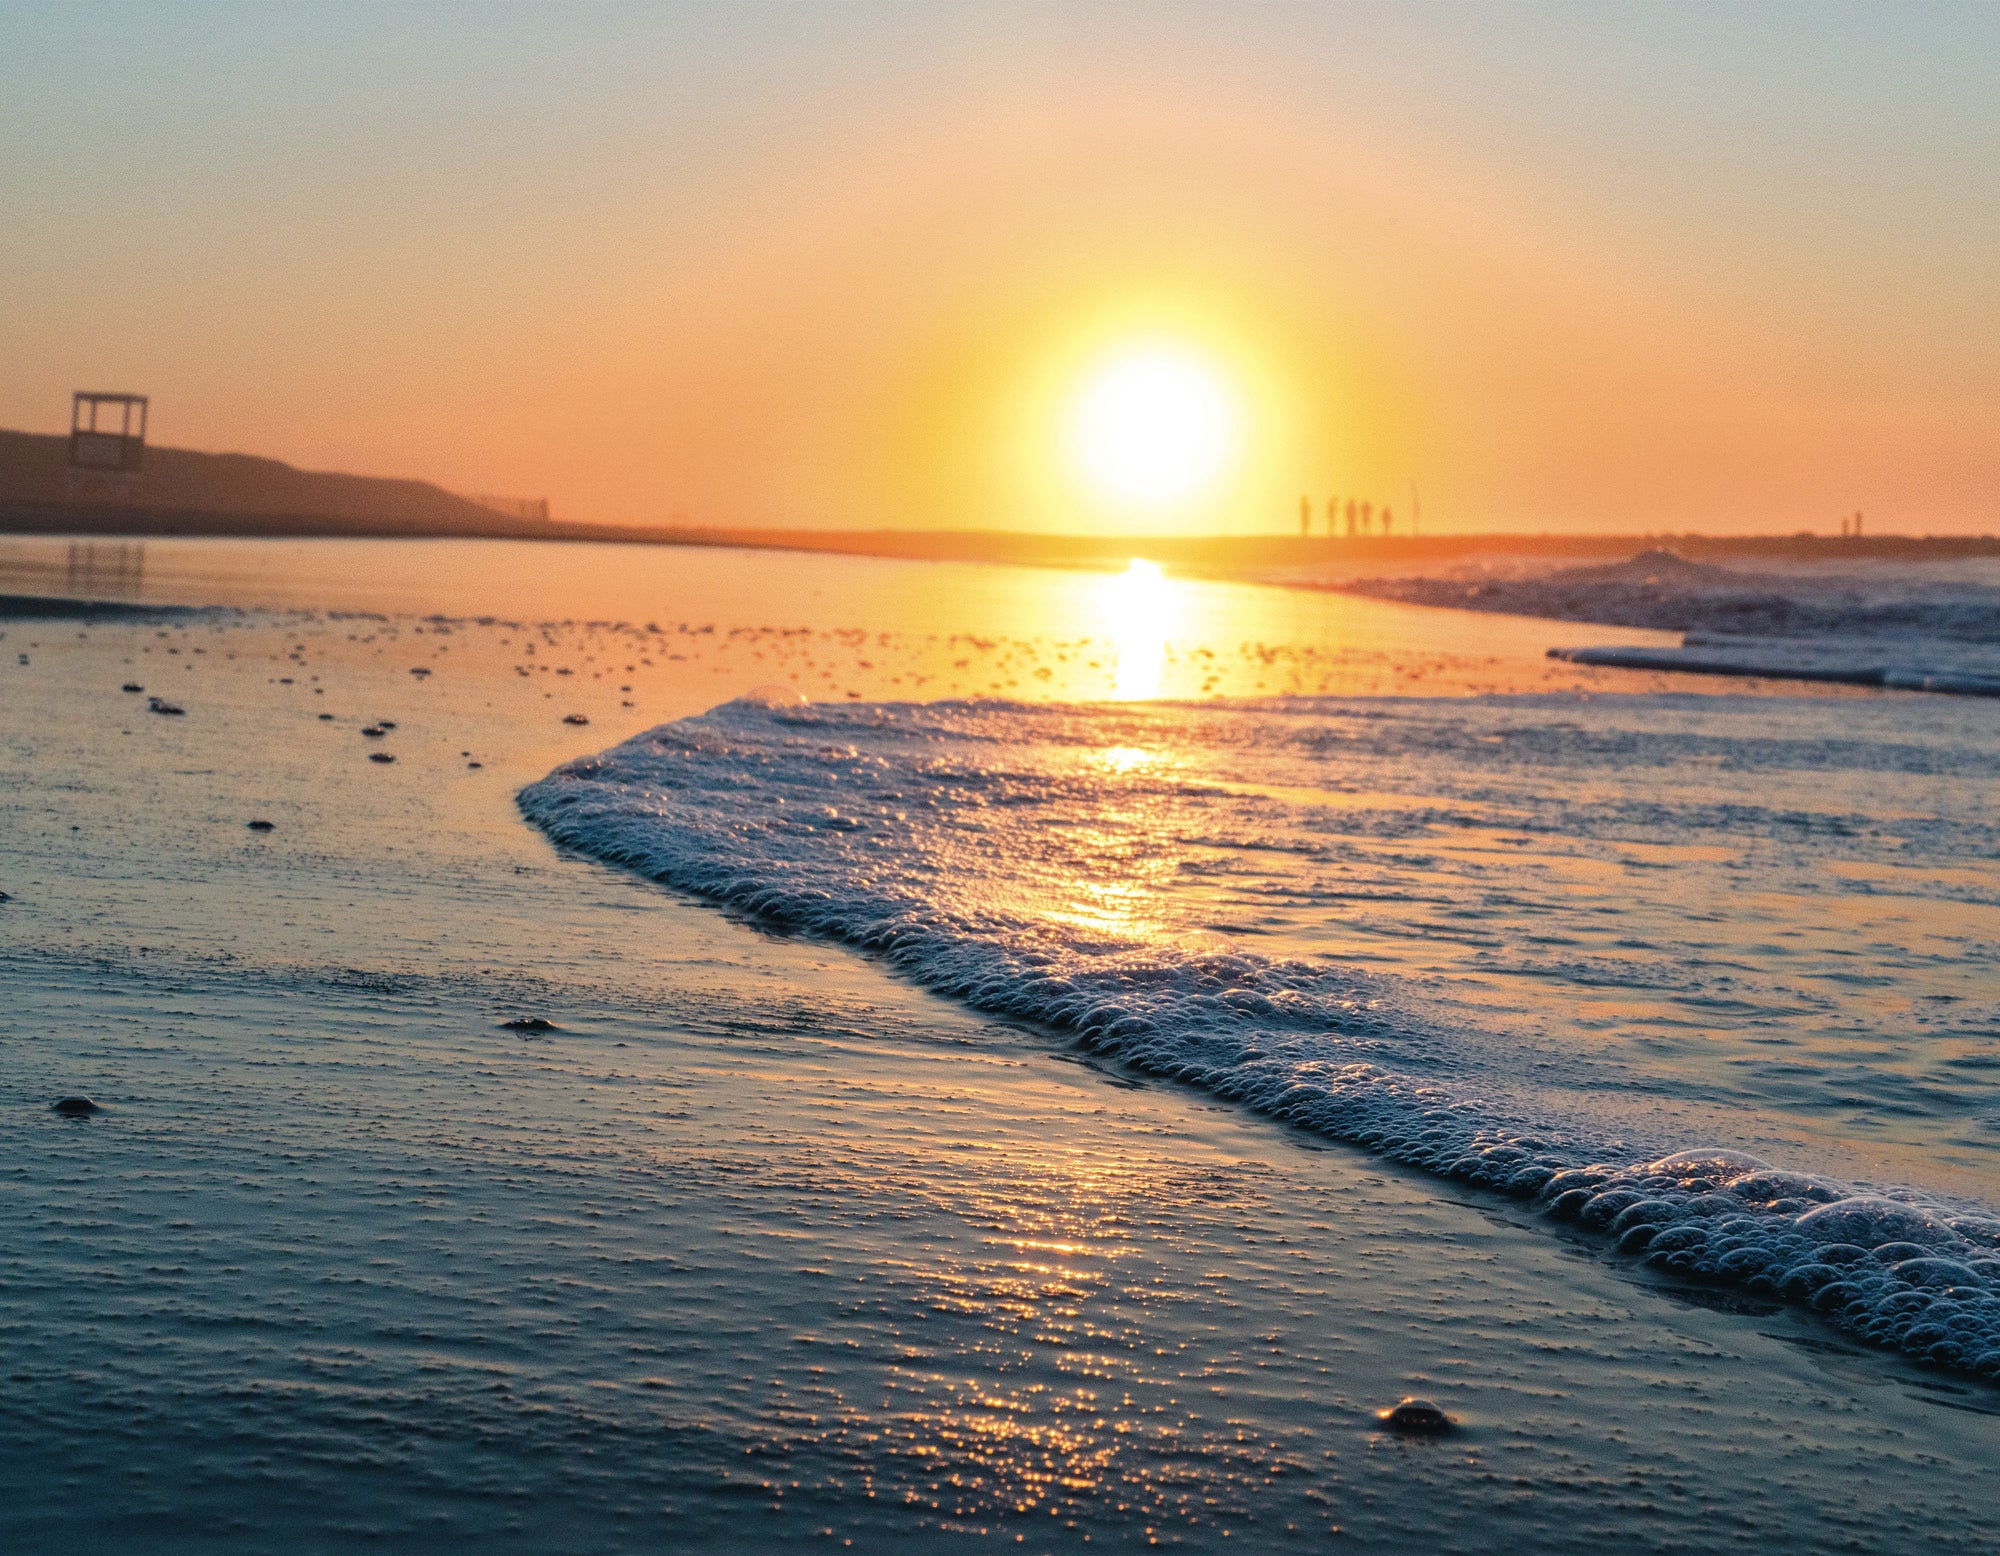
{"x":763,"y":1243}
{"x":1710,"y":975}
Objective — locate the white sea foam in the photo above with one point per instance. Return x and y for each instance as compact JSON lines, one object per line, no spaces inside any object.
{"x":1097,"y":871}
{"x":1928,"y":608}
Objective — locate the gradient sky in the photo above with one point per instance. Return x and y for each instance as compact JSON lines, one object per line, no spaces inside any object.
{"x":1725,"y":267}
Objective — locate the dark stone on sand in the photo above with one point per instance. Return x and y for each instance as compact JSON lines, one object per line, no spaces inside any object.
{"x":575,"y":718}
{"x":529,"y":1024}
{"x":327,"y":717}
{"x":475,"y":764}
{"x":161,"y":705}
{"x":131,"y":686}
{"x":259,"y":826}
{"x":380,"y":756}
{"x":374,"y":731}
{"x":1416,"y":1416}
{"x":386,"y":723}
{"x":75,"y":1107}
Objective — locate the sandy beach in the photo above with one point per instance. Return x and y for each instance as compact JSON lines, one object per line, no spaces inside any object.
{"x":759,"y":1241}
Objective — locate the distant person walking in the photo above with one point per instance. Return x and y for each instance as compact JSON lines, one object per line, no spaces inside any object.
{"x":1387,"y":521}
{"x":1305,"y":517}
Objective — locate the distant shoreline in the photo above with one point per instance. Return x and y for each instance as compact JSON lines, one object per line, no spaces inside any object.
{"x":1259,"y":557}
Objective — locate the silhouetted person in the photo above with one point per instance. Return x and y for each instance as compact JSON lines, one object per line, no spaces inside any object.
{"x":1305,"y":517}
{"x":1367,"y":517}
{"x":1352,"y":510}
{"x":1387,"y":520}
{"x":1332,"y":517}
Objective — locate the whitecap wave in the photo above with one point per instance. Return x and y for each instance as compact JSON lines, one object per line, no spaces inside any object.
{"x":1059,"y":865}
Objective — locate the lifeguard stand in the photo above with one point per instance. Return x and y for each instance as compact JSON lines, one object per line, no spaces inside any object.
{"x":103,"y":462}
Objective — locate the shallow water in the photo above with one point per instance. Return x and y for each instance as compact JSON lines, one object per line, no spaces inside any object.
{"x":833,"y":623}
{"x":1597,"y":933}
{"x":814,"y":1256}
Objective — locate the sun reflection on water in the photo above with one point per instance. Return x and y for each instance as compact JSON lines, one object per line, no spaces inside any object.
{"x":1126,"y":759}
{"x":1139,"y":609}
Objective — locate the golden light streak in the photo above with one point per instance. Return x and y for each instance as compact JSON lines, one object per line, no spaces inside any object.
{"x":1139,"y":609}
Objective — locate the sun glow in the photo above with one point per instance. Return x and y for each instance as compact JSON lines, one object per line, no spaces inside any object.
{"x":1154,"y":424}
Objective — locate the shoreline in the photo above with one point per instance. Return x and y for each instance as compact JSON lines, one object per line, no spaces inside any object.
{"x":1233,"y":557}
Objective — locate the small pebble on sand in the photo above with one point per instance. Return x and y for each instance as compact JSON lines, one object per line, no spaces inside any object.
{"x":380,"y":756}
{"x":1414,"y":1415}
{"x":259,"y":826}
{"x":131,"y":686}
{"x":530,"y":1024}
{"x":575,"y":718}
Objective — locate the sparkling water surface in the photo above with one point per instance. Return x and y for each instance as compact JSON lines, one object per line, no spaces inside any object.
{"x":764,"y":1243}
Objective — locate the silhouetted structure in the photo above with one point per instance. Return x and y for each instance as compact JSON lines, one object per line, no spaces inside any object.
{"x":105,"y":464}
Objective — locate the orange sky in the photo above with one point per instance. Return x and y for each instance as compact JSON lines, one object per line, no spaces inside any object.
{"x":1564,"y":267}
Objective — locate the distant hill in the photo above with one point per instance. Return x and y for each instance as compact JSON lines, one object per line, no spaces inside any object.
{"x":34,"y":466}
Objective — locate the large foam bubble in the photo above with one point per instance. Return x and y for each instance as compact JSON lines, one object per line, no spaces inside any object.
{"x":987,"y":852}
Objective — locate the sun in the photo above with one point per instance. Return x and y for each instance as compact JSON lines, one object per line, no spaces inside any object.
{"x":1153,"y":423}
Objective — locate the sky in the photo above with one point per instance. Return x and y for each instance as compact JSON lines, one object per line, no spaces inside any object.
{"x":1718,"y":267}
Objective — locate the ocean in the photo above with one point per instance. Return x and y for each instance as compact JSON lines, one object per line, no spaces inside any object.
{"x":851,"y":1087}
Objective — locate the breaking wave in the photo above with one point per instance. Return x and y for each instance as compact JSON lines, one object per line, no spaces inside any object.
{"x":1096,"y":871}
